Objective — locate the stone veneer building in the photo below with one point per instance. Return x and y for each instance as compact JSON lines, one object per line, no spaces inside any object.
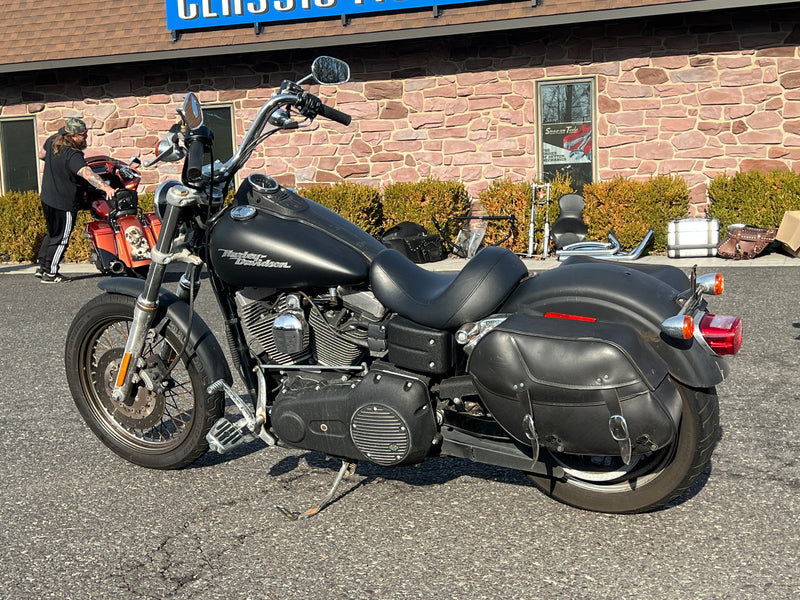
{"x":476,"y":92}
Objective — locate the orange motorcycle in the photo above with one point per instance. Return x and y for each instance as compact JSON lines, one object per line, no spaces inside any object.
{"x":121,"y":234}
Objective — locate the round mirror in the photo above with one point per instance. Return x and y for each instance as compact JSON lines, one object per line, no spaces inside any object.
{"x":326,"y":69}
{"x":192,"y":111}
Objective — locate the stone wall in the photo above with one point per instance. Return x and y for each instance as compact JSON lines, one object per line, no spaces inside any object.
{"x":685,"y":96}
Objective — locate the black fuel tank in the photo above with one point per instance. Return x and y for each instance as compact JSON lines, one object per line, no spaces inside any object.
{"x":273,"y":237}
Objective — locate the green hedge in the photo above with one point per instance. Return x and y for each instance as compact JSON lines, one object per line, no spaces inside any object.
{"x":22,"y":228}
{"x":422,"y":201}
{"x":361,"y":204}
{"x":629,"y":208}
{"x":754,"y":198}
{"x":506,"y":197}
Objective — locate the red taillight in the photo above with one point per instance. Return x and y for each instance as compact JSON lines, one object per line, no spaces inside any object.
{"x":723,"y":333}
{"x":131,"y":185}
{"x":552,"y":315}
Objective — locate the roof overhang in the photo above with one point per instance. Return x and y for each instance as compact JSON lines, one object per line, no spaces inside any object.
{"x":532,"y":22}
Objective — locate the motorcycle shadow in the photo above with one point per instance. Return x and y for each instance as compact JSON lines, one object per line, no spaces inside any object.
{"x":433,"y":471}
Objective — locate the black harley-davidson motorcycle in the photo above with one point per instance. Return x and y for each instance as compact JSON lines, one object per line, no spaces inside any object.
{"x":596,"y":379}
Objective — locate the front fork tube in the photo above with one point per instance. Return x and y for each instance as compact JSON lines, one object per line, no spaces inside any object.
{"x":147,"y":302}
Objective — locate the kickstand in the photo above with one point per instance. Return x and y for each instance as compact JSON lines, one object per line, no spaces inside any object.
{"x":347,"y":470}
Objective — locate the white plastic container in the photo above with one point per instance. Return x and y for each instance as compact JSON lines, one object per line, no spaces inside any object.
{"x":692,"y":237}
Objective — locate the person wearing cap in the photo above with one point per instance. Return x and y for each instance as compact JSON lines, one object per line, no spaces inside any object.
{"x":63,"y":183}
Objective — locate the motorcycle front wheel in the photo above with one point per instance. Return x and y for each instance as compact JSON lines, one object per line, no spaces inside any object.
{"x":160,"y":429}
{"x":606,"y":484}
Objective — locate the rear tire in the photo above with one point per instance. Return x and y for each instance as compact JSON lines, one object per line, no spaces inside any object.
{"x":605,"y":484}
{"x":164,"y":430}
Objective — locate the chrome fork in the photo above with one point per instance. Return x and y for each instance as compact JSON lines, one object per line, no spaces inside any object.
{"x":162,"y":254}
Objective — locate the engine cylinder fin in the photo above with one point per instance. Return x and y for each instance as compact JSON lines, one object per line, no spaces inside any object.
{"x":258,"y":320}
{"x":329,"y":346}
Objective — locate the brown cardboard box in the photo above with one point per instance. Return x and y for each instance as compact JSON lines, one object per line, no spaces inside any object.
{"x":789,"y":232}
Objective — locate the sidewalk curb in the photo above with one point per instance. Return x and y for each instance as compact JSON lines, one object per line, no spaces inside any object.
{"x":772,"y":259}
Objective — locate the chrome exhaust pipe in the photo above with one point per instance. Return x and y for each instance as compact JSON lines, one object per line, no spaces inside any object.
{"x":117,"y":267}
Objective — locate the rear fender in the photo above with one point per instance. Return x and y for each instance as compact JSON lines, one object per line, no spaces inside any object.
{"x":200,"y":338}
{"x":621,"y":294}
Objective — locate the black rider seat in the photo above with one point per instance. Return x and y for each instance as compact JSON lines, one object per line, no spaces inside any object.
{"x":446,"y":300}
{"x":569,"y":228}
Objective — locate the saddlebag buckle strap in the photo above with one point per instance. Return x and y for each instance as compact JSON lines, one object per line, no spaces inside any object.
{"x":528,"y":424}
{"x":618,"y":427}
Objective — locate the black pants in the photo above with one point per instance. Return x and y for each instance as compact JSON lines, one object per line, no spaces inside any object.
{"x":60,"y":224}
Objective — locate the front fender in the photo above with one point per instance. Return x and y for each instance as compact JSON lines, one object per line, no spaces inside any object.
{"x":201,"y":340}
{"x":622,"y":294}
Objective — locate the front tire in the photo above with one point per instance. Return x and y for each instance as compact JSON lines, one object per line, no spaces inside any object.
{"x":605,"y":484}
{"x":160,"y":430}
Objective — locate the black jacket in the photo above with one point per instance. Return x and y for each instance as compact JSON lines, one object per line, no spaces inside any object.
{"x":62,"y":187}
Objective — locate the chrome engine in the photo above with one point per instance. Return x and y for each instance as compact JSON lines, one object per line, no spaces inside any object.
{"x":295,"y":329}
{"x":379,"y":413}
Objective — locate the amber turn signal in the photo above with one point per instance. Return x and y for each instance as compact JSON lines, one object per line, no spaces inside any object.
{"x":679,"y":326}
{"x":711,"y":283}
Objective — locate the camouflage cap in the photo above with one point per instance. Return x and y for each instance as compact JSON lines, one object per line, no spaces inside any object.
{"x":74,"y":125}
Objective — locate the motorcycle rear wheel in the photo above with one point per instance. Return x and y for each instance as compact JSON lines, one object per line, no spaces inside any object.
{"x":164,"y":430}
{"x":605,"y":484}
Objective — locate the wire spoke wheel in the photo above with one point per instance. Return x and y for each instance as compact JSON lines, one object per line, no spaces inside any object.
{"x":154,"y":420}
{"x":163,"y":424}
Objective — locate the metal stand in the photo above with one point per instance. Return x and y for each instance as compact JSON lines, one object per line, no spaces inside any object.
{"x":347,"y":469}
{"x":540,"y":197}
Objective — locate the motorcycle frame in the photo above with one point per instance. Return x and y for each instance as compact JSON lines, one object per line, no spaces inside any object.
{"x":171,"y":247}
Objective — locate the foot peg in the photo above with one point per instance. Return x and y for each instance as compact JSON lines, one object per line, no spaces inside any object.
{"x":224,"y":436}
{"x":347,"y":469}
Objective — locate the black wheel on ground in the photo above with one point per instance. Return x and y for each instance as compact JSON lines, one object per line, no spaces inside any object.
{"x":163,"y":428}
{"x":606,"y":484}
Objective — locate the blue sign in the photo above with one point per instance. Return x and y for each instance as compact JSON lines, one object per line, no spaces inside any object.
{"x":199,"y":14}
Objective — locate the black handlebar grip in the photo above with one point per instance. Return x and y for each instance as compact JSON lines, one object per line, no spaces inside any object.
{"x":194,"y":163}
{"x":335,"y":115}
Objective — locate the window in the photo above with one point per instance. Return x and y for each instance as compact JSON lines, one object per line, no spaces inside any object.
{"x":220,"y":120}
{"x":566,"y":113}
{"x":18,"y":155}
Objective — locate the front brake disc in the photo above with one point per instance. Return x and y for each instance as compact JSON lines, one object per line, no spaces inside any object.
{"x":147,"y":408}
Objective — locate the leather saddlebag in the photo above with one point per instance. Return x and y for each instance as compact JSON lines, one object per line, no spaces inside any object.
{"x":414,"y":241}
{"x":746,"y":242}
{"x":588,"y":387}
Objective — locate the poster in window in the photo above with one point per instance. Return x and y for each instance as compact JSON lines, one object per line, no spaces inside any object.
{"x":567,"y":137}
{"x":567,"y":148}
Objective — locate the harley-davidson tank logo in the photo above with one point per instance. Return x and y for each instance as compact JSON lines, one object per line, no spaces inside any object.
{"x":251,"y":259}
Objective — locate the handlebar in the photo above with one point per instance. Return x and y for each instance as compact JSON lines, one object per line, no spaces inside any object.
{"x":194,"y":162}
{"x":335,"y":115}
{"x":242,"y":154}
{"x":310,"y":106}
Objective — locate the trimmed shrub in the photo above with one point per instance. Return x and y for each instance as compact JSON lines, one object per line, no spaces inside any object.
{"x":422,"y":201}
{"x":754,"y":198}
{"x":22,"y":228}
{"x":358,"y":203}
{"x":506,"y":197}
{"x":629,"y":208}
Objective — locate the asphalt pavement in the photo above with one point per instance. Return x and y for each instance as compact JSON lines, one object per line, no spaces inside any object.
{"x":79,"y":522}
